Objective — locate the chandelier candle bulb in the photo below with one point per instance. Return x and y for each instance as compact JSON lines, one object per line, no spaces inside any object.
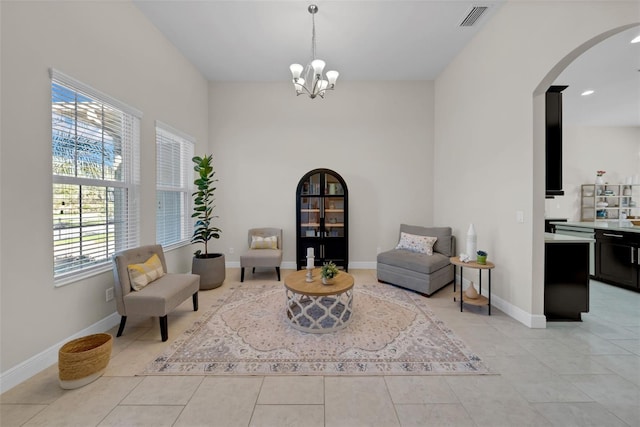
{"x":332,"y":76}
{"x":296,"y":71}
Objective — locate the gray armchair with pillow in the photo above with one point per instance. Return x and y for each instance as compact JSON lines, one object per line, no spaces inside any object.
{"x":265,"y":250}
{"x":143,"y":286}
{"x":420,"y":261}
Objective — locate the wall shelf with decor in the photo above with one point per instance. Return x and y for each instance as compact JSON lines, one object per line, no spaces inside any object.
{"x":322,"y":218}
{"x":606,"y":202}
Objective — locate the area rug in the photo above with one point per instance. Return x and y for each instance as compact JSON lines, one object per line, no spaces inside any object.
{"x":246,"y":332}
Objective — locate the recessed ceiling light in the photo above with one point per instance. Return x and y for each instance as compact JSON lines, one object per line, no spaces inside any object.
{"x":636,"y":40}
{"x":587,"y":92}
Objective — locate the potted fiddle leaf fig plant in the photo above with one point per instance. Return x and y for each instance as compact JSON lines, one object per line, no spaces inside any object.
{"x":210,"y":266}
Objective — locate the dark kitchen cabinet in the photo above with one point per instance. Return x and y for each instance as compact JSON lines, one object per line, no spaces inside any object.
{"x":617,"y":260}
{"x":553,"y":141}
{"x":322,"y":218}
{"x":566,"y":280}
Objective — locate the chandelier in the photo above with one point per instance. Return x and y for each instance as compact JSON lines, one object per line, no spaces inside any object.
{"x":309,"y":79}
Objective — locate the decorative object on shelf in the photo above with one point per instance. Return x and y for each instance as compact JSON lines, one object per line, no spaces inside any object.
{"x":329,"y":271}
{"x":210,"y":266}
{"x":464,"y":258}
{"x":600,"y":177}
{"x":471,"y":291}
{"x":309,"y":80}
{"x":482,"y":257}
{"x":471,"y":240}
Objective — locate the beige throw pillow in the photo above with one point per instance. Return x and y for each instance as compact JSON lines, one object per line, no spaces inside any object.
{"x":258,"y":242}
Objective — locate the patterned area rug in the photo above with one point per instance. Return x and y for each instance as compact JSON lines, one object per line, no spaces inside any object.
{"x":246,"y":332}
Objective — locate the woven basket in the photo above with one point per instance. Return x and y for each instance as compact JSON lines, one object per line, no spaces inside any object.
{"x":83,"y":360}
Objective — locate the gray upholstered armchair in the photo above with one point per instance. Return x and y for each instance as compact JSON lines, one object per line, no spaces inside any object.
{"x":265,"y":250}
{"x":158,"y":292}
{"x":422,"y":272}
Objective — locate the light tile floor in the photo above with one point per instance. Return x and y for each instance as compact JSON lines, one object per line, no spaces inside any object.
{"x":569,"y":374}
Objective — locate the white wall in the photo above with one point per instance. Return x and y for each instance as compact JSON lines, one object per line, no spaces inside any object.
{"x":112,"y":47}
{"x":484,"y":135}
{"x":377,"y":135}
{"x":587,"y":149}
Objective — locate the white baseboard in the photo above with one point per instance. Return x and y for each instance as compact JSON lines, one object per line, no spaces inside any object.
{"x":291,"y":265}
{"x":536,"y":321}
{"x":41,"y":361}
{"x":364,"y":265}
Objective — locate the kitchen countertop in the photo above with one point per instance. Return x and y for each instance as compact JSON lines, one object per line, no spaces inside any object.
{"x":561,"y":238}
{"x":600,"y":225}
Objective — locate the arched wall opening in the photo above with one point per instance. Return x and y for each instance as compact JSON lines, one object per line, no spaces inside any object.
{"x":538,"y":201}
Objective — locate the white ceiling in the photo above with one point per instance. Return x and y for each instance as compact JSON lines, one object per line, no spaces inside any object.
{"x":242,"y":40}
{"x":363,"y":40}
{"x":612,"y":70}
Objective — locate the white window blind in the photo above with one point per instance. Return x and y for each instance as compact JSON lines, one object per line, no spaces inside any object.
{"x":174,"y":174}
{"x":95,"y":145}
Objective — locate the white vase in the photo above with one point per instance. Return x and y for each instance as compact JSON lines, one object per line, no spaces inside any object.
{"x":599,"y":180}
{"x":471,"y":241}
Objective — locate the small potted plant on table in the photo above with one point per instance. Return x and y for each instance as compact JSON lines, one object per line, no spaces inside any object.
{"x":329,"y":271}
{"x":481,"y":258}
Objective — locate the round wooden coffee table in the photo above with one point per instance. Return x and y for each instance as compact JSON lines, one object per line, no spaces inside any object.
{"x":317,"y":308}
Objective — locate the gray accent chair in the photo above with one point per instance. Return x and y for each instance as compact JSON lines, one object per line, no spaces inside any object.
{"x":268,"y":258}
{"x":422,"y":273}
{"x":159,"y":297}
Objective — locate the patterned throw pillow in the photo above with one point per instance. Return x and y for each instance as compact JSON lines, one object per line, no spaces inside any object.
{"x":140,"y":275}
{"x":258,"y":242}
{"x":414,"y":243}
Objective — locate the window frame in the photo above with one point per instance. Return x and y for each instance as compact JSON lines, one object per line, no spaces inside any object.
{"x":186,"y":143}
{"x":123,"y":223}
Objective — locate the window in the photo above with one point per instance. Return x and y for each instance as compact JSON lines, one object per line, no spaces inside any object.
{"x":95,"y":142}
{"x":174,"y":175}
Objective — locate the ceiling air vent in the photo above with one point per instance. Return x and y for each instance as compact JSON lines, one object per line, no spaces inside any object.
{"x":474,"y":14}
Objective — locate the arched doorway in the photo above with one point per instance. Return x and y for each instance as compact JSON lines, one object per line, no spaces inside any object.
{"x":539,"y":159}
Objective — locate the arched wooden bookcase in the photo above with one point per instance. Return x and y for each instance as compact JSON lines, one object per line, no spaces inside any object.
{"x":322,"y":218}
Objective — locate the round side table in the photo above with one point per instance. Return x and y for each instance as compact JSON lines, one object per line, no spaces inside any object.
{"x":481,"y":300}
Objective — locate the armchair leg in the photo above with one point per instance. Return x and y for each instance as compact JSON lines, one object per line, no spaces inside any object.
{"x":253,"y":271}
{"x":242,"y":274}
{"x":123,"y":320}
{"x":163,"y":328}
{"x":278,"y":271}
{"x":195,"y":301}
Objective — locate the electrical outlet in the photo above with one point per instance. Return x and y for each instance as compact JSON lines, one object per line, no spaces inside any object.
{"x":109,"y":294}
{"x":520,"y":217}
{"x":230,"y":250}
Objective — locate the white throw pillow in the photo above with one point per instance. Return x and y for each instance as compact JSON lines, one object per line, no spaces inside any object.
{"x":415,"y":243}
{"x":258,"y":242}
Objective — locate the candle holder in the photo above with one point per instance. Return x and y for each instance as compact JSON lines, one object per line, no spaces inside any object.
{"x":310,"y":262}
